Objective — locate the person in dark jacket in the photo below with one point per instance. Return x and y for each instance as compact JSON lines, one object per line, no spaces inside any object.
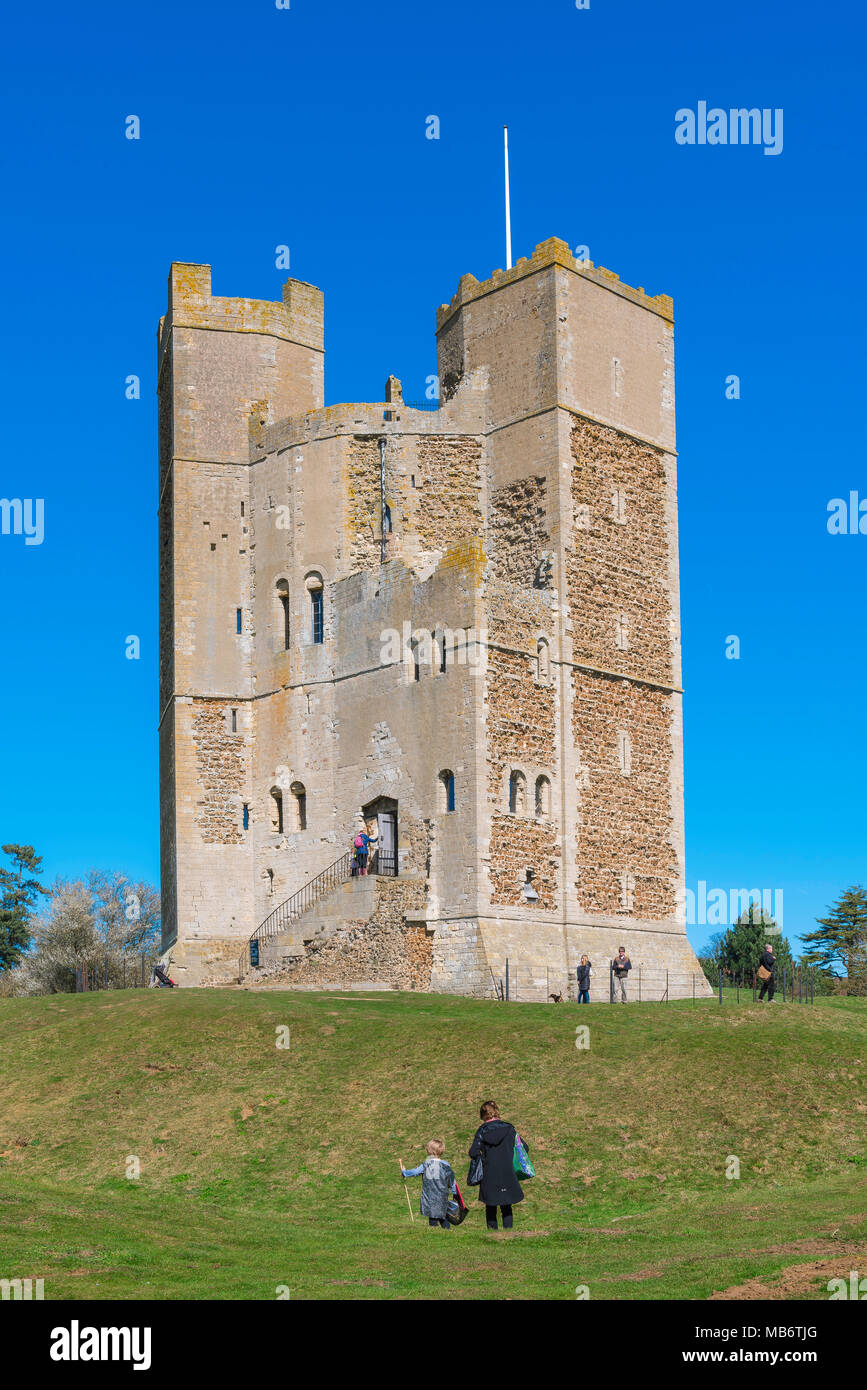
{"x":583,"y":972}
{"x":769,"y":961}
{"x":494,"y":1143}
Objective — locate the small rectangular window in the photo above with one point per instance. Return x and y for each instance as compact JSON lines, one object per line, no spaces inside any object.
{"x":238,"y":619}
{"x":234,"y":721}
{"x":318,"y":615}
{"x":246,"y":816}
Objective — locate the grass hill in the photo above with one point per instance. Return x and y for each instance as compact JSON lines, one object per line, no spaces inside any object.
{"x":263,"y":1166}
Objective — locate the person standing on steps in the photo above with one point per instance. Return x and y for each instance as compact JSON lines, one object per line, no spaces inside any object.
{"x":494,"y":1144}
{"x":363,"y":841}
{"x":768,"y":962}
{"x":621,"y":966}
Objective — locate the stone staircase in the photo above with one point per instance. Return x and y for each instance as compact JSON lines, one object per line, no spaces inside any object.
{"x":351,"y":901}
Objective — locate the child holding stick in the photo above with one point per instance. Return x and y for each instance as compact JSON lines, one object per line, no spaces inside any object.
{"x":437,"y":1183}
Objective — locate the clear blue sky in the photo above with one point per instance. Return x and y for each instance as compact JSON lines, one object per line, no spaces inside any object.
{"x":306,"y":126}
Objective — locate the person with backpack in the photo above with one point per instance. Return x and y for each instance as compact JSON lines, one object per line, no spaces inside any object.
{"x":494,"y":1144}
{"x":363,"y":842}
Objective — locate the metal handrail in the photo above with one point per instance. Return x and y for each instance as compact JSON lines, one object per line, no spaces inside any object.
{"x":295,"y":907}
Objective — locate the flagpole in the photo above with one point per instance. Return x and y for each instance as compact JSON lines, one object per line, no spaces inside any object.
{"x":508,"y":208}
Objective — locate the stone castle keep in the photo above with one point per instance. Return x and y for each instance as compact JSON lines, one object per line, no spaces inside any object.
{"x":458,"y":626}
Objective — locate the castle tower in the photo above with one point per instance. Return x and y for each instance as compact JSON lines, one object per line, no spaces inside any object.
{"x":461,"y":623}
{"x":221,"y":362}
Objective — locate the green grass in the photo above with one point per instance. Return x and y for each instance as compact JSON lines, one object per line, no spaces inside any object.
{"x":263,"y":1167}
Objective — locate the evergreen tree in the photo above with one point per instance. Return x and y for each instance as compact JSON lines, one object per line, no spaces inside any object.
{"x":839,"y":947}
{"x":18,"y":896}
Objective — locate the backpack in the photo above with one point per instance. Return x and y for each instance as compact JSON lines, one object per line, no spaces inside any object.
{"x":359,"y":842}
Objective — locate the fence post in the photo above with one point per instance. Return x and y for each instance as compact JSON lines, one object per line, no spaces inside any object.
{"x":507,"y":979}
{"x":667,"y":1000}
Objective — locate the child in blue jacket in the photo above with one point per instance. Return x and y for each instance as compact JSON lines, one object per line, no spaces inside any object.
{"x":437,"y":1183}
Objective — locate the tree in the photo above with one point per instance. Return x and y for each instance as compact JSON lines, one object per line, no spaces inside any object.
{"x":18,"y":898}
{"x":839,"y":947}
{"x":102,"y":925}
{"x":711,"y":958}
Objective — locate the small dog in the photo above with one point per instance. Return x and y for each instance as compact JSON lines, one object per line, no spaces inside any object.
{"x":556,"y":997}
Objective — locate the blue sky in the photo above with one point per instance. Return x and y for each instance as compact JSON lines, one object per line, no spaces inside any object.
{"x":306,"y":127}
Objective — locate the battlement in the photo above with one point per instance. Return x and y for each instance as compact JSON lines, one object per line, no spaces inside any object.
{"x":298,"y":318}
{"x":547,"y":253}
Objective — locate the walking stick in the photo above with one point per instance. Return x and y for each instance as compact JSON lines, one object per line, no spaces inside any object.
{"x":406,"y":1190}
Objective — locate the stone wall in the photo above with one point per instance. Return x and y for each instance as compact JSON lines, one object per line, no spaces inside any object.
{"x":626,"y":820}
{"x":386,"y":949}
{"x":614,"y":567}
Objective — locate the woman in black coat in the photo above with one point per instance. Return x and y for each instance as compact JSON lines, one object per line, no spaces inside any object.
{"x":494,"y":1143}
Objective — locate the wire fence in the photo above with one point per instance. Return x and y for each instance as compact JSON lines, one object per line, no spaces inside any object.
{"x":124,"y":972}
{"x":646,"y":985}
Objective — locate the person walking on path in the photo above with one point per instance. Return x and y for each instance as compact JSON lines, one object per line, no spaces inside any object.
{"x":584,"y":972}
{"x":437,"y":1184}
{"x":768,"y":962}
{"x":621,"y":966}
{"x":494,"y":1144}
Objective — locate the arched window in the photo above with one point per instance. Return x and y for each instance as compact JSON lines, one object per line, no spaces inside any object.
{"x":269,"y":874}
{"x":447,"y":791}
{"x":283,"y":611}
{"x":543,"y":662}
{"x":444,"y":650}
{"x":387,"y":519}
{"x":517,"y":793}
{"x":416,"y":660}
{"x":316,"y":590}
{"x":299,"y":800}
{"x":277,"y":810}
{"x":543,"y":798}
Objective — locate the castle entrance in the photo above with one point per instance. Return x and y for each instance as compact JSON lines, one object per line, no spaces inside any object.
{"x":383,"y":812}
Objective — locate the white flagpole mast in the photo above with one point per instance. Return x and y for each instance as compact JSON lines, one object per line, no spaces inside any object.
{"x":508,"y":208}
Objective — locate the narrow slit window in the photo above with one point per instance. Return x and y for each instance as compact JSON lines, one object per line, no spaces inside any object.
{"x":447,"y":791}
{"x":317,"y":609}
{"x":238,"y":614}
{"x":234,"y":721}
{"x":246,"y":816}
